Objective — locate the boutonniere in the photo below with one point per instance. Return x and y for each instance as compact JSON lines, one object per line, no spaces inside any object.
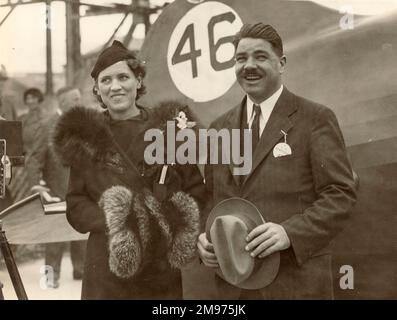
{"x":183,"y":122}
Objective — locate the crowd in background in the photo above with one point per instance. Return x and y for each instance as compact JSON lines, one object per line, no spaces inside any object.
{"x":42,"y":171}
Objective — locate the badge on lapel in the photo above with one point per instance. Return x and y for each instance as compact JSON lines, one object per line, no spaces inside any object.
{"x":282,"y":149}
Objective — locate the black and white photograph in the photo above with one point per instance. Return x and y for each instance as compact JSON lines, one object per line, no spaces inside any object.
{"x":198,"y":150}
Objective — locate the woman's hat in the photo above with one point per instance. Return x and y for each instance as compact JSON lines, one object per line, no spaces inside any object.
{"x":115,"y":53}
{"x":227,"y":227}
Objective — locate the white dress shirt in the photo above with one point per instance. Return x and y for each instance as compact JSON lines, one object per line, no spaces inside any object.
{"x":267,"y":107}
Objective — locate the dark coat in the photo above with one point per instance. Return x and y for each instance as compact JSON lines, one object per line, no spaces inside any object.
{"x":137,"y":243}
{"x":310,"y":192}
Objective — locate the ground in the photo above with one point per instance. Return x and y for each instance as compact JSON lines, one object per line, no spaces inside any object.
{"x":33,"y":280}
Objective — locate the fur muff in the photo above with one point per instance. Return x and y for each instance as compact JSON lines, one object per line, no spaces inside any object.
{"x":183,"y":246}
{"x":125,"y":254}
{"x":125,"y":250}
{"x":115,"y":203}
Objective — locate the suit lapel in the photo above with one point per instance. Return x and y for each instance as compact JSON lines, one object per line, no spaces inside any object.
{"x":234,"y":122}
{"x":271,"y":135}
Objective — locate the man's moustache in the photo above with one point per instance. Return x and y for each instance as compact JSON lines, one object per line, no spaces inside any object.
{"x":251,"y":74}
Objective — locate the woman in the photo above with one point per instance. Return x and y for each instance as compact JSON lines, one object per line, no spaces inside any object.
{"x":141,"y":231}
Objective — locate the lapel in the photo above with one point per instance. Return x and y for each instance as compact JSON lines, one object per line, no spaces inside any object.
{"x":234,"y":122}
{"x":271,"y":135}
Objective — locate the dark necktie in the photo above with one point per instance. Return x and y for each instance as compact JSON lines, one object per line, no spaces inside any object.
{"x":255,"y":127}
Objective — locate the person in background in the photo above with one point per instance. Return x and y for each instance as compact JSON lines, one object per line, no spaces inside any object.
{"x":34,"y":137}
{"x":54,"y":181}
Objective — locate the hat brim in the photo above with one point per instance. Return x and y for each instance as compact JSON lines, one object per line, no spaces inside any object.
{"x":266,"y":269}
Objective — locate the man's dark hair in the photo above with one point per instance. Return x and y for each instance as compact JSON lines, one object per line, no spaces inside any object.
{"x":34,"y":92}
{"x":260,"y":31}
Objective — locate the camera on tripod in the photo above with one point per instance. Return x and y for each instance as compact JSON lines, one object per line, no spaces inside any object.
{"x":11,"y":154}
{"x":11,"y":151}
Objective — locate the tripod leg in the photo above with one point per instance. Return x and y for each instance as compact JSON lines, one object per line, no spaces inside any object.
{"x":12,"y":267}
{"x":1,"y":292}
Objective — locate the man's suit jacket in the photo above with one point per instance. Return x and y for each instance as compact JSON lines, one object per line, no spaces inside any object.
{"x":310,"y":192}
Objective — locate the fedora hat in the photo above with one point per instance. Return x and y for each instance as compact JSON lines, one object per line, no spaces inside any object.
{"x":227,"y":227}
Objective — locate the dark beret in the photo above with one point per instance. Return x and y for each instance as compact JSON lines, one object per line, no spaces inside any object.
{"x":115,"y":53}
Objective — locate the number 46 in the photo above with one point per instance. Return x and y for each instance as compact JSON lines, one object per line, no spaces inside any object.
{"x":194,"y":53}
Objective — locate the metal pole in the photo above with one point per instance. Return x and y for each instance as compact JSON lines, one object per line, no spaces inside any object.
{"x":7,"y":15}
{"x":115,"y":31}
{"x":73,"y":40}
{"x":49,"y":83}
{"x":11,"y":266}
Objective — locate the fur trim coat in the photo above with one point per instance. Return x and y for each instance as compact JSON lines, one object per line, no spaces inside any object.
{"x":139,"y":237}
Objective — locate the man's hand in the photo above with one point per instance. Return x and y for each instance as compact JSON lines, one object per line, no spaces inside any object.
{"x":266,"y":239}
{"x":206,"y":252}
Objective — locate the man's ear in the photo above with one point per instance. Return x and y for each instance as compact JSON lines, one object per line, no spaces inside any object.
{"x":283,"y":62}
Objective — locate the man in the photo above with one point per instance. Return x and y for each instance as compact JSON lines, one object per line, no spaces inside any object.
{"x":55,"y":178}
{"x":34,"y":138}
{"x":300,"y":180}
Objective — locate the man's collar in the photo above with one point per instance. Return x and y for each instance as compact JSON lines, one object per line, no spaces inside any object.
{"x":266,"y":106}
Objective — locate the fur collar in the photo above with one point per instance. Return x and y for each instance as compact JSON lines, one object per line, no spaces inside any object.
{"x":83,"y":133}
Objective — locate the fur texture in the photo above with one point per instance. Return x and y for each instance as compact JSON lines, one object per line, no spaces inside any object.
{"x":183,"y":246}
{"x":115,"y":203}
{"x":81,"y":133}
{"x":125,"y":252}
{"x":125,"y":255}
